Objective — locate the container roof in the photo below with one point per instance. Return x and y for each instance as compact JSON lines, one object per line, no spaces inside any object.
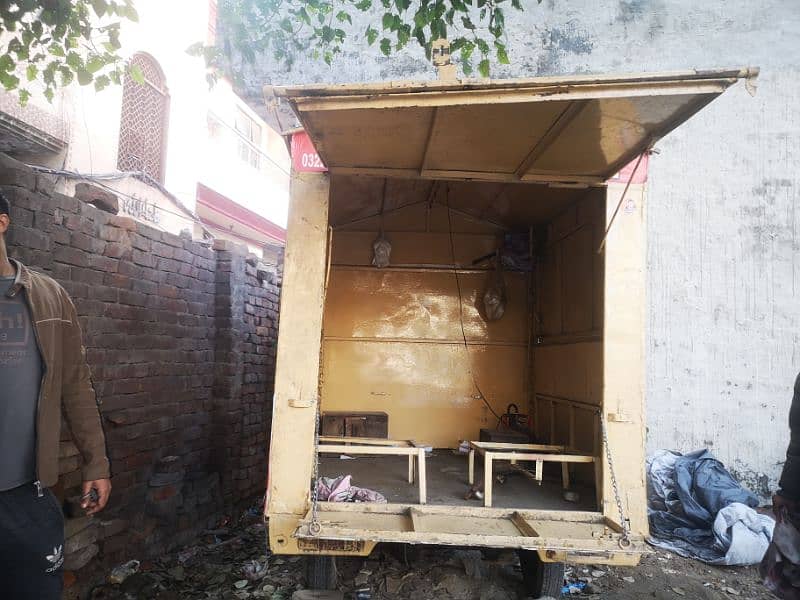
{"x":578,"y":129}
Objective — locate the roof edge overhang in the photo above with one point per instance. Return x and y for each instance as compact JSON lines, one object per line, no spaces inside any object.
{"x":698,"y":87}
{"x":544,"y":85}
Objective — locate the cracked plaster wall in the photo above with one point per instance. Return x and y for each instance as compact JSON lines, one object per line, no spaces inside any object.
{"x":723,"y":335}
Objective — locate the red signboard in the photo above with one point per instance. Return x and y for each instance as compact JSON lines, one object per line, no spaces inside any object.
{"x":304,"y":156}
{"x":641,"y":173}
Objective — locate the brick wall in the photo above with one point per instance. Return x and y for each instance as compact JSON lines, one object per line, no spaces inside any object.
{"x":180,"y":339}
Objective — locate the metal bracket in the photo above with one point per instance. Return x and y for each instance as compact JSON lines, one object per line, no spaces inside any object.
{"x":302,"y":403}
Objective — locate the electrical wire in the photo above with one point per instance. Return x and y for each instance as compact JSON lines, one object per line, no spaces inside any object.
{"x":461,"y":308}
{"x":250,"y":144}
{"x":99,"y":178}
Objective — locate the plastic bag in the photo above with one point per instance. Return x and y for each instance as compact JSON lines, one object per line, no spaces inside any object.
{"x":495,"y":298}
{"x":381,"y":252}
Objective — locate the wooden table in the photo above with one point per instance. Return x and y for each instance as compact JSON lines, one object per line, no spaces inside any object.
{"x":538,"y":453}
{"x":380,"y":446}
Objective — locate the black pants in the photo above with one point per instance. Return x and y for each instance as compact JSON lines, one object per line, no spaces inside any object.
{"x":31,"y":545}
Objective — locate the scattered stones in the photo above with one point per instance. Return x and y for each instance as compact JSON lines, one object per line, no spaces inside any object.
{"x":229,"y":563}
{"x":598,"y":573}
{"x":317,"y":595}
{"x":732,"y":591}
{"x":121,"y":572}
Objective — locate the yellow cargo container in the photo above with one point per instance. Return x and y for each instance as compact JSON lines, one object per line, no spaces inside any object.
{"x":449,"y":173}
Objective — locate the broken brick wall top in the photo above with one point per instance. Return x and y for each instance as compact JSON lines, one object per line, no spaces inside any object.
{"x":180,"y":338}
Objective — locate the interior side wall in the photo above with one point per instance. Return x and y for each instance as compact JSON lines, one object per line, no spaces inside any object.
{"x":392,"y":337}
{"x":568,"y":354}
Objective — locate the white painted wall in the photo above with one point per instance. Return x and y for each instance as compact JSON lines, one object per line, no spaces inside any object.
{"x":165,"y":30}
{"x":264,"y":190}
{"x":723,"y":335}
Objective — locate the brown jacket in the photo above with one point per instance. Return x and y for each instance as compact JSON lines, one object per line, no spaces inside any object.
{"x":66,"y":381}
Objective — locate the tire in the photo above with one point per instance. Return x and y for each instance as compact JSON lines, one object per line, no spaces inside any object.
{"x":320,"y":573}
{"x":491,"y":554}
{"x":540,"y":578}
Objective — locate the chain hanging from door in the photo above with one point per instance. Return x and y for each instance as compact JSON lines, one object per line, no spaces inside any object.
{"x":625,"y":540}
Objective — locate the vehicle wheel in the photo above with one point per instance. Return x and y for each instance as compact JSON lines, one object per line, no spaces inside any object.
{"x":491,"y":554}
{"x":540,"y":578}
{"x":320,"y":573}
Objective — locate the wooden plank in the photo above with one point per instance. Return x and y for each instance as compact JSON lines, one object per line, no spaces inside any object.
{"x":552,"y":93}
{"x":378,"y":450}
{"x":524,"y":527}
{"x":299,"y":343}
{"x":624,"y":357}
{"x":394,"y":340}
{"x":437,"y":85}
{"x":487,"y":478}
{"x":510,"y":446}
{"x":416,"y":519}
{"x":431,"y":130}
{"x":605,"y":548}
{"x":422,"y":475}
{"x":559,"y":516}
{"x":572,"y":428}
{"x":564,"y":119}
{"x":569,"y":402}
{"x":471,"y":477}
{"x":455,"y":175}
{"x":331,"y":439}
{"x":577,"y":260}
{"x":571,"y":371}
{"x":572,"y":338}
{"x":556,"y":458}
{"x":411,"y":269}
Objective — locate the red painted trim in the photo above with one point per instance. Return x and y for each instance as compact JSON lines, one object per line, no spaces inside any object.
{"x":212,"y":227}
{"x":227,"y":207}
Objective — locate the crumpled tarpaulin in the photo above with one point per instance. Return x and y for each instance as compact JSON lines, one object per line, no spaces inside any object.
{"x":780,"y":568}
{"x":340,"y":489}
{"x":698,"y":510}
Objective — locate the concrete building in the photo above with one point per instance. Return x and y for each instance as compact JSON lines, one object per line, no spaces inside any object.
{"x":156,"y":143}
{"x":723,"y":337}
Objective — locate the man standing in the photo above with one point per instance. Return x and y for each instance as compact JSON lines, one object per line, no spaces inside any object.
{"x":43,"y":371}
{"x":780,"y":567}
{"x":788,"y":497}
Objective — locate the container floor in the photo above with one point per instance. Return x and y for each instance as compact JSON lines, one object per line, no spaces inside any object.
{"x":447,"y":482}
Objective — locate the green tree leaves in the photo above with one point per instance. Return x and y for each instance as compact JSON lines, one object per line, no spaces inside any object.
{"x":53,"y":43}
{"x":286,"y":29}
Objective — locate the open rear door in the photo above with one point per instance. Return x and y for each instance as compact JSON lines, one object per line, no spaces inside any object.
{"x":566,"y":130}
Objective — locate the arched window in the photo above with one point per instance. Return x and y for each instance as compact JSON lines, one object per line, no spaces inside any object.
{"x":143,"y":123}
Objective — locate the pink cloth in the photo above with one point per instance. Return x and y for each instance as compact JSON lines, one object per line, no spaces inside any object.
{"x":340,"y":489}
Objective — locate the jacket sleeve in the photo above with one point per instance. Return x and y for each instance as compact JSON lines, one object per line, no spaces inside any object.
{"x":79,"y":400}
{"x":790,"y":479}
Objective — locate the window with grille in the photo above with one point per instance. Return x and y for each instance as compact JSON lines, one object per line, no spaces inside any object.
{"x":250,"y":138}
{"x":143,"y":122}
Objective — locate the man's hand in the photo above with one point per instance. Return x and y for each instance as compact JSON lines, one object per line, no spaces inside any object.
{"x":782,"y":505}
{"x":95,"y":495}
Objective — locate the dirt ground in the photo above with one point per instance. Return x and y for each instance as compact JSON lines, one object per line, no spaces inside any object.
{"x":232,"y":562}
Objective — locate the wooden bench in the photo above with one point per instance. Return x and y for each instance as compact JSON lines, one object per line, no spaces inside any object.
{"x":538,"y":453}
{"x":380,"y":446}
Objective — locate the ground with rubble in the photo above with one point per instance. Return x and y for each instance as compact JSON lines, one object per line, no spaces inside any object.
{"x":232,"y":562}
